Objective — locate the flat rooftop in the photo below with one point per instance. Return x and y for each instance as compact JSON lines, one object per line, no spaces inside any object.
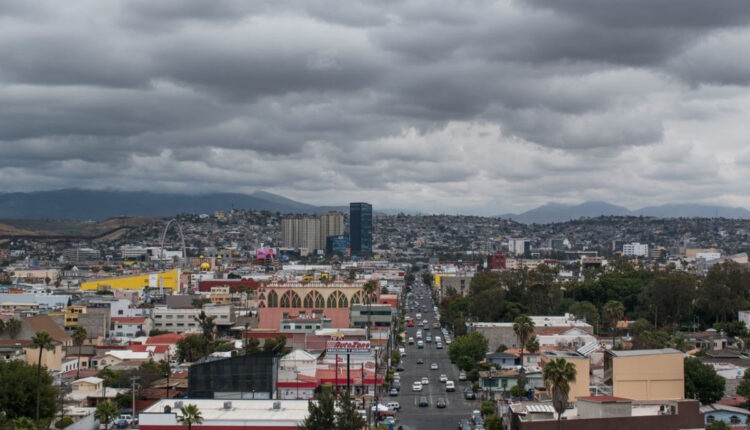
{"x":242,"y":410}
{"x":644,"y":352}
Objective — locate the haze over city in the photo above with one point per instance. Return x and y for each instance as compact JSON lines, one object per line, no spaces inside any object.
{"x":483,"y":107}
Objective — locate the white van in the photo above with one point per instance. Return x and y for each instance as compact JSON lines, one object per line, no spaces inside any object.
{"x":411,"y":341}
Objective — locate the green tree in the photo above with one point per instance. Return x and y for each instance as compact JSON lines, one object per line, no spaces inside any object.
{"x":718,"y":425}
{"x":13,"y":326}
{"x":473,"y":345}
{"x":409,"y":278}
{"x":252,"y":345}
{"x":41,"y":341}
{"x":465,"y":363}
{"x":557,"y":376}
{"x":17,"y":396}
{"x":532,"y":345}
{"x":702,"y":382}
{"x":79,"y":336}
{"x":743,"y":389}
{"x":321,"y":413}
{"x":484,"y":281}
{"x":651,"y":339}
{"x":192,"y":348}
{"x":106,"y":411}
{"x":671,"y":297}
{"x":523,"y":326}
{"x":614,"y":312}
{"x":189,"y":415}
{"x":488,"y":407}
{"x":347,"y":417}
{"x":585,"y":310}
{"x":207,"y":325}
{"x":493,"y":422}
{"x":427,"y":278}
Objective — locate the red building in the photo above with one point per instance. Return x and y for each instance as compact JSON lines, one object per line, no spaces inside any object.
{"x":497,"y":261}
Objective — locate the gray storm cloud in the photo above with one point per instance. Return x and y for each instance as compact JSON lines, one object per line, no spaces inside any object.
{"x":450,"y":106}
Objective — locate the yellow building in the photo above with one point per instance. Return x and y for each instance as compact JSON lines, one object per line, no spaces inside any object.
{"x":437,"y":279}
{"x":168,"y":280}
{"x":646,"y":374}
{"x":579,"y":388}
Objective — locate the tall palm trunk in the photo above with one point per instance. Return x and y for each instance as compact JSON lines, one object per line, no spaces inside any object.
{"x":38,"y":384}
{"x":78,"y":368}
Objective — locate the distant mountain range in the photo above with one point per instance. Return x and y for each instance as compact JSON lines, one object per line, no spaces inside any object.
{"x":74,"y":204}
{"x":557,"y":212}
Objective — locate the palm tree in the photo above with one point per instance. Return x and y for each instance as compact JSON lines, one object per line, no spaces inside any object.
{"x":614,"y":311}
{"x":105,"y":411}
{"x":557,"y":376}
{"x":523,"y":326}
{"x":369,"y":288}
{"x":2,"y":326}
{"x":13,"y":326}
{"x":190,"y":415}
{"x":43,"y":341}
{"x":79,"y":336}
{"x":532,"y":345}
{"x":207,"y":325}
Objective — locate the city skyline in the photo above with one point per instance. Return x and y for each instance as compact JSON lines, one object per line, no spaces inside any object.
{"x":439,"y":108}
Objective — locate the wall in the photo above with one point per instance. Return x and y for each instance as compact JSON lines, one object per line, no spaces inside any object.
{"x":689,"y":417}
{"x":171,"y":281}
{"x":51,"y":359}
{"x":649,"y":377}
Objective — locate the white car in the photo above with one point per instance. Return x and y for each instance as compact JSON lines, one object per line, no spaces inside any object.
{"x":393,"y":405}
{"x":425,"y":380}
{"x":434,"y":366}
{"x":450,"y":386}
{"x":439,"y":345}
{"x":411,"y":341}
{"x":402,"y":350}
{"x":416,"y":386}
{"x":443,"y":377}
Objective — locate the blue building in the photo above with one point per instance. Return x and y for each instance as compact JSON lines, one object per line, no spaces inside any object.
{"x":337,"y":244}
{"x":360,"y":228}
{"x":731,"y":415}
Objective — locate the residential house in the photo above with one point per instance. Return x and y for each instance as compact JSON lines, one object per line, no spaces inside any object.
{"x":131,"y":327}
{"x":731,"y":415}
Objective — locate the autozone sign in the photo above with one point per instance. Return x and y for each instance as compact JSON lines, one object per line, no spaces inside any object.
{"x":348,"y":346}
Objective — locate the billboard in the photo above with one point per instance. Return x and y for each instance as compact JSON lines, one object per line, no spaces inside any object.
{"x":348,"y":346}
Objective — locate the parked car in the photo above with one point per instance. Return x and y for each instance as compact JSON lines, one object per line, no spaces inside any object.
{"x":464,"y":425}
{"x":469,"y":394}
{"x":396,"y":384}
{"x":393,"y":392}
{"x":440,"y":403}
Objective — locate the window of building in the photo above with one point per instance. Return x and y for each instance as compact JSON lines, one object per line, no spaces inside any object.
{"x":169,"y":324}
{"x":734,"y":419}
{"x":710,"y":419}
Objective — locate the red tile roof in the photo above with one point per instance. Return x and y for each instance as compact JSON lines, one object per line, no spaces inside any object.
{"x":129,"y":320}
{"x":46,"y":323}
{"x":547,"y":331}
{"x":165,"y":339}
{"x":156,"y":349}
{"x":605,"y":399}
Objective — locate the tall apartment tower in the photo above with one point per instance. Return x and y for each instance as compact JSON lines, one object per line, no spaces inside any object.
{"x":299,"y":232}
{"x":331,"y":224}
{"x":360,"y":228}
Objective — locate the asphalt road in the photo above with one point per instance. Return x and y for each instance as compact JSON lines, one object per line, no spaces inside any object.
{"x":430,"y":418}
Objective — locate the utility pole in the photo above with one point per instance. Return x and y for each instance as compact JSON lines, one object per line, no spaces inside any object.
{"x":133,"y":379}
{"x":169,"y":372}
{"x":62,"y":400}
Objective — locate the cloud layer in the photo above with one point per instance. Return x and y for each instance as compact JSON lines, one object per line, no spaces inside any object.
{"x":446,"y":106}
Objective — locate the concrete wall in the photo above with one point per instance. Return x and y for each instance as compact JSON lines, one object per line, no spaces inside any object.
{"x":649,"y":377}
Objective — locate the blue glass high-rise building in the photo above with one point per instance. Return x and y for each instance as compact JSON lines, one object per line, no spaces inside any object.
{"x":360,"y":228}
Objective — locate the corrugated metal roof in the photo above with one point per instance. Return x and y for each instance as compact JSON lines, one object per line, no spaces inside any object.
{"x":589,"y":348}
{"x":540,"y":408}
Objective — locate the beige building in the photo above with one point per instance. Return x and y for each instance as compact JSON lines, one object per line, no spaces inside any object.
{"x":580,"y":387}
{"x":185,"y":320}
{"x":647,"y":374}
{"x":300,"y":232}
{"x":331,"y":224}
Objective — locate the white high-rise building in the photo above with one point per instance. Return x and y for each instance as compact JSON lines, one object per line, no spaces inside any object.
{"x":635,"y":249}
{"x":300,"y":232}
{"x":331,"y":224}
{"x":519,"y":246}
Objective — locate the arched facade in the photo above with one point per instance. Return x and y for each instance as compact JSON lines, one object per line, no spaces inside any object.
{"x":290,"y":299}
{"x":356,"y":298}
{"x":273,"y":299}
{"x":314,"y":299}
{"x":337,"y":299}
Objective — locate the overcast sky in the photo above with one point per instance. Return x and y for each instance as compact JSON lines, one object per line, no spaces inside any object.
{"x":445,"y":106}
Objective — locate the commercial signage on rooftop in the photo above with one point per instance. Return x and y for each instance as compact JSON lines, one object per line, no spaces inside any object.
{"x":348,"y":347}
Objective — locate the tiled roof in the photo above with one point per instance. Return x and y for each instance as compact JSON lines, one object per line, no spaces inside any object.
{"x":165,"y":339}
{"x":605,"y":399}
{"x":46,"y":323}
{"x":129,"y":320}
